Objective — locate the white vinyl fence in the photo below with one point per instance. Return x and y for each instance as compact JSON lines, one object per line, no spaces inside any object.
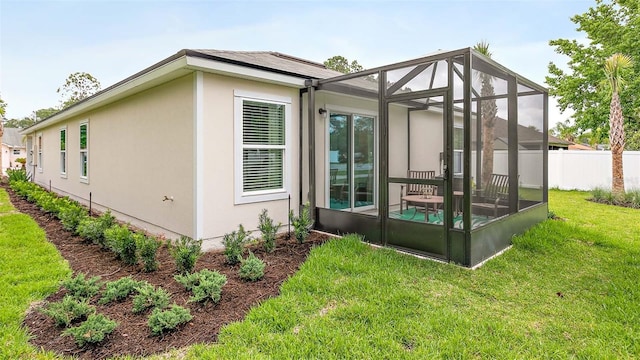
{"x":586,"y":170}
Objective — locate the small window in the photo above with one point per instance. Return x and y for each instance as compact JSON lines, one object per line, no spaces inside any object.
{"x":40,"y":152}
{"x":84,"y":151}
{"x":16,"y":151}
{"x":262,"y":159}
{"x":63,"y":151}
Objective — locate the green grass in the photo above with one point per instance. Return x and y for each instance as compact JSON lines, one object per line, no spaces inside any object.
{"x":30,"y":269}
{"x":567,"y":289}
{"x":352,"y":301}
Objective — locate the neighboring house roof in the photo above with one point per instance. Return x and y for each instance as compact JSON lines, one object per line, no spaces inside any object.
{"x":263,"y":66}
{"x":575,"y":146}
{"x":528,"y":137}
{"x":12,"y":138}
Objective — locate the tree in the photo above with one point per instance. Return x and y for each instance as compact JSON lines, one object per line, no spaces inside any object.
{"x":614,"y":68}
{"x":489,"y":113}
{"x":612,"y":26}
{"x":27,"y":121}
{"x":78,"y":86}
{"x":3,"y":108}
{"x":565,"y":131}
{"x":341,"y":64}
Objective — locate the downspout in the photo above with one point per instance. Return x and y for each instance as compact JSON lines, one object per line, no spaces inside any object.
{"x":311,"y":106}
{"x":301,"y":145}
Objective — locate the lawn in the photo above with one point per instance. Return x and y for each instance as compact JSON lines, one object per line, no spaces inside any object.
{"x":565,"y":289}
{"x":30,"y":269}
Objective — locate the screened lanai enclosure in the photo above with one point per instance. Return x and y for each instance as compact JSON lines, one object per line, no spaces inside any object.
{"x":444,"y":156}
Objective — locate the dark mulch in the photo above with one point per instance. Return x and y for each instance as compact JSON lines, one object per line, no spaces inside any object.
{"x":132,"y":336}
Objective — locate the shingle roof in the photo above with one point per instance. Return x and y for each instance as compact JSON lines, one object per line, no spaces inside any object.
{"x":270,"y":60}
{"x":12,"y":137}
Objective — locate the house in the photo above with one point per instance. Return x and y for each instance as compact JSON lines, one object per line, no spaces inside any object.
{"x":203,"y":140}
{"x":12,"y":149}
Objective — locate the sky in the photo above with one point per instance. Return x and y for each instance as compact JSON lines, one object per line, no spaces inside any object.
{"x":42,"y":42}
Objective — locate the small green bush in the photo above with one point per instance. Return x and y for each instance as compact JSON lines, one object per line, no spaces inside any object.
{"x":90,"y":229}
{"x":167,"y":320}
{"x":80,"y":287}
{"x":252,"y":268}
{"x":15,"y":175}
{"x":92,"y":331}
{"x":186,"y":252}
{"x":122,"y":242}
{"x":234,"y":244}
{"x":269,"y":230}
{"x":119,"y":290}
{"x":301,"y":224}
{"x":205,"y":285}
{"x":93,"y":229}
{"x":147,"y":249}
{"x":71,"y":215}
{"x":68,"y":310}
{"x":150,"y":297}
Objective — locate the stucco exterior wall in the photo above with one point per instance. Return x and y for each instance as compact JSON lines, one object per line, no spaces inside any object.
{"x":220,"y":213}
{"x":140,"y":150}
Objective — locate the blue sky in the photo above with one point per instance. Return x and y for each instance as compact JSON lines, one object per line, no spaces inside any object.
{"x":42,"y":42}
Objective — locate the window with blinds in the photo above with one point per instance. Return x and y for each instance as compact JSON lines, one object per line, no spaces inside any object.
{"x":263,"y":142}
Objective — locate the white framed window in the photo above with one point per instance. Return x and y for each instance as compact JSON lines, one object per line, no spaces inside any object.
{"x":63,"y":152}
{"x":16,"y":151}
{"x":39,"y":159}
{"x":84,"y":152}
{"x":262,"y":137}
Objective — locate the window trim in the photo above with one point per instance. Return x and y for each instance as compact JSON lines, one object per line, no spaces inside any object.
{"x":83,"y":178}
{"x":39,"y":153}
{"x":63,"y":174}
{"x":242,"y":197}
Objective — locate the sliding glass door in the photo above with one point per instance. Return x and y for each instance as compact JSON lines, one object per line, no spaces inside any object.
{"x":352,"y":161}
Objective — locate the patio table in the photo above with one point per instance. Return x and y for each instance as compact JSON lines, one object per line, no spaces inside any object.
{"x":434,"y":200}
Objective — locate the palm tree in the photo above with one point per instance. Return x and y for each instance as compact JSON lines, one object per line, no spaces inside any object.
{"x":614,"y":67}
{"x":489,"y":112}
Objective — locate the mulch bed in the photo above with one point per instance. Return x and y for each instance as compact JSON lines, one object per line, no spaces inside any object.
{"x":132,"y":336}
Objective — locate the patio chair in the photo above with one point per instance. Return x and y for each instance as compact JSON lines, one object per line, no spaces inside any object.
{"x":416,"y":189}
{"x":493,"y":199}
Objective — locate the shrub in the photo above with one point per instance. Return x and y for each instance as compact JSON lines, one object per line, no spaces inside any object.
{"x":252,"y":268}
{"x":186,"y":252}
{"x":93,"y":229}
{"x":301,"y":224}
{"x":147,"y":248}
{"x":150,"y":297}
{"x":17,"y":175}
{"x":90,"y":229}
{"x":48,"y":203}
{"x":234,"y":244}
{"x":71,"y":215}
{"x":205,"y":285}
{"x":82,"y":288}
{"x":68,"y":310}
{"x":121,"y":241}
{"x":92,"y":331}
{"x":161,"y":321}
{"x":119,"y":289}
{"x":269,"y":230}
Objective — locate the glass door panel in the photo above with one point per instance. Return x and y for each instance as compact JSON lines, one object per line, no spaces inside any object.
{"x":339,"y":161}
{"x":352,"y":162}
{"x":363,"y":161}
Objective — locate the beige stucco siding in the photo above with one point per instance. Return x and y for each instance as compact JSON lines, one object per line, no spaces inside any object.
{"x":220,"y":213}
{"x":140,"y":150}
